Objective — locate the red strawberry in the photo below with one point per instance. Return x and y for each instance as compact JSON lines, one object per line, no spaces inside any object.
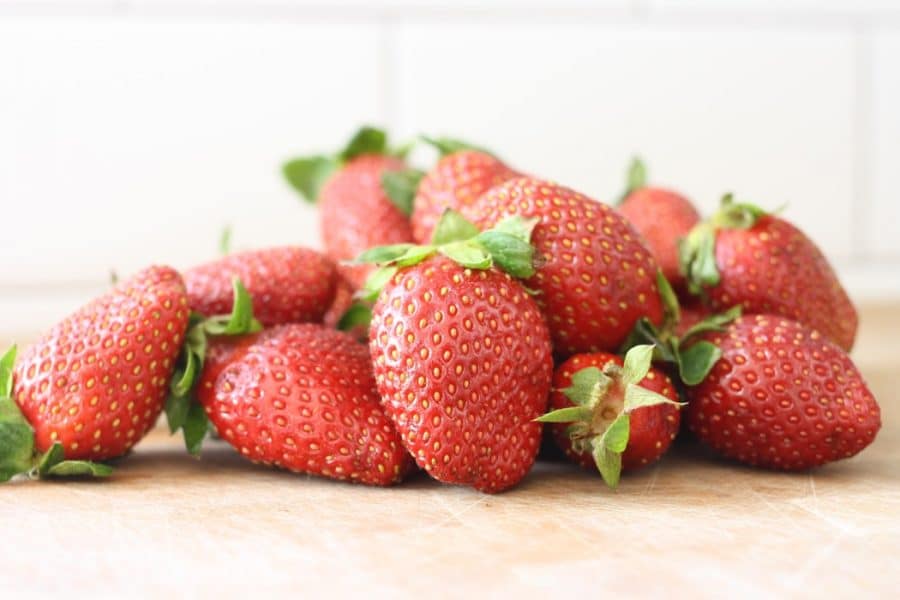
{"x":744,"y":256}
{"x":343,"y":300}
{"x":611,"y":414}
{"x":782,"y":396}
{"x":364,"y":194}
{"x":302,"y":397}
{"x":455,"y":182}
{"x":662,"y":217}
{"x":461,"y":352}
{"x":597,"y":278}
{"x":95,"y":384}
{"x":287,"y":284}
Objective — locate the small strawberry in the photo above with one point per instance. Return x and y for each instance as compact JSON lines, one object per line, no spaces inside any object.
{"x":613,"y":415}
{"x":302,"y":397}
{"x":94,"y":385}
{"x":461,"y":175}
{"x":661,"y":216}
{"x":745,"y":256}
{"x":461,"y":353}
{"x":782,"y":396}
{"x":597,"y":278}
{"x":287,"y":284}
{"x":364,"y":194}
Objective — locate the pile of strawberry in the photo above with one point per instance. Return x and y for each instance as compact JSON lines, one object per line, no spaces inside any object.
{"x":477,"y":304}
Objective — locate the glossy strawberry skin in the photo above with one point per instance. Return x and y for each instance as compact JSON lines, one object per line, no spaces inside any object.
{"x":343,"y":300}
{"x":597,"y":278}
{"x":662,"y":217}
{"x":782,"y":397}
{"x":456,"y":181}
{"x":98,"y":380}
{"x":463,"y":365}
{"x":287,"y":284}
{"x":356,"y":214}
{"x":652,"y":428}
{"x":302,"y":397}
{"x":774,"y":268}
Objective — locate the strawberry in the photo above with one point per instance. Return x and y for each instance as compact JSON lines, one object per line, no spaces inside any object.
{"x":364,"y":194}
{"x":461,"y":353}
{"x":456,"y":181}
{"x":287,"y":284}
{"x":597,"y":277}
{"x":782,"y":396}
{"x":662,"y":217}
{"x":613,"y":415}
{"x":302,"y":397}
{"x":745,"y":256}
{"x":94,"y":385}
{"x":343,"y":300}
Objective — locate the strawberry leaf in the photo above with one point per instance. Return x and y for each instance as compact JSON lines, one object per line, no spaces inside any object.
{"x":380,"y":255}
{"x":401,"y":186}
{"x":195,"y":427}
{"x":452,"y":227}
{"x":715,"y":322}
{"x":375,"y":283}
{"x":697,"y":361}
{"x":240,"y":321}
{"x":510,"y":252}
{"x":636,"y":177}
{"x":566,"y":415}
{"x":607,"y":449}
{"x":588,"y":384}
{"x":639,"y":397}
{"x":669,"y":300}
{"x":7,"y":364}
{"x":358,"y":315}
{"x":225,"y":241}
{"x":697,"y":255}
{"x":467,"y":253}
{"x":16,"y":441}
{"x":637,"y":364}
{"x":367,"y":140}
{"x":54,"y":464}
{"x":308,"y":175}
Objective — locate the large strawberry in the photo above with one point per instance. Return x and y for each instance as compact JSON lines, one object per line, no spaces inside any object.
{"x":745,"y":256}
{"x":287,"y":284}
{"x":95,"y":383}
{"x":597,"y":277}
{"x":364,"y":194}
{"x":302,"y":397}
{"x":661,"y":216}
{"x":457,"y":180}
{"x":782,"y":396}
{"x":613,"y":415}
{"x":462,"y":354}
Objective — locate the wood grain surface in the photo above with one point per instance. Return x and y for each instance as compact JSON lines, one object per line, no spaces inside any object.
{"x":166,"y":525}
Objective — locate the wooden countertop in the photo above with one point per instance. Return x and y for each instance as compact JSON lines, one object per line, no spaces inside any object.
{"x":169,"y":525}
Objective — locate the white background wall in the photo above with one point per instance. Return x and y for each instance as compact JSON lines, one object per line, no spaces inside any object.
{"x":131,"y":131}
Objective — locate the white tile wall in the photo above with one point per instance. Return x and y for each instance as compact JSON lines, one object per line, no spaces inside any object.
{"x":884,"y":223}
{"x":767,"y":114}
{"x":131,"y":131}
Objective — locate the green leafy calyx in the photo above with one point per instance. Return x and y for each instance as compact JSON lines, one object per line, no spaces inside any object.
{"x":182,"y":411}
{"x":400,"y":187}
{"x":636,"y":177}
{"x":308,"y":174}
{"x":446,"y":145}
{"x":506,"y":246}
{"x":602,"y":401}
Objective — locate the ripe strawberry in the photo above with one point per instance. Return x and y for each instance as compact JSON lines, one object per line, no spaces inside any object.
{"x":95,"y":383}
{"x":302,"y":397}
{"x":782,"y":396}
{"x":455,"y":182}
{"x":597,"y":277}
{"x":287,"y":284}
{"x":343,"y":300}
{"x":662,"y":217}
{"x":744,"y":256}
{"x":613,"y":415}
{"x":364,"y":194}
{"x":462,"y":354}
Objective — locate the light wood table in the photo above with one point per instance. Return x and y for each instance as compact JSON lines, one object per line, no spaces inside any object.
{"x":166,"y":525}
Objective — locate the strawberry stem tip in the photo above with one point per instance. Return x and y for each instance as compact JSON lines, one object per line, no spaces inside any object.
{"x":593,"y":392}
{"x":507,"y":246}
{"x":17,"y":452}
{"x":694,"y":358}
{"x":182,"y":411}
{"x":308,"y":174}
{"x":635,"y":179}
